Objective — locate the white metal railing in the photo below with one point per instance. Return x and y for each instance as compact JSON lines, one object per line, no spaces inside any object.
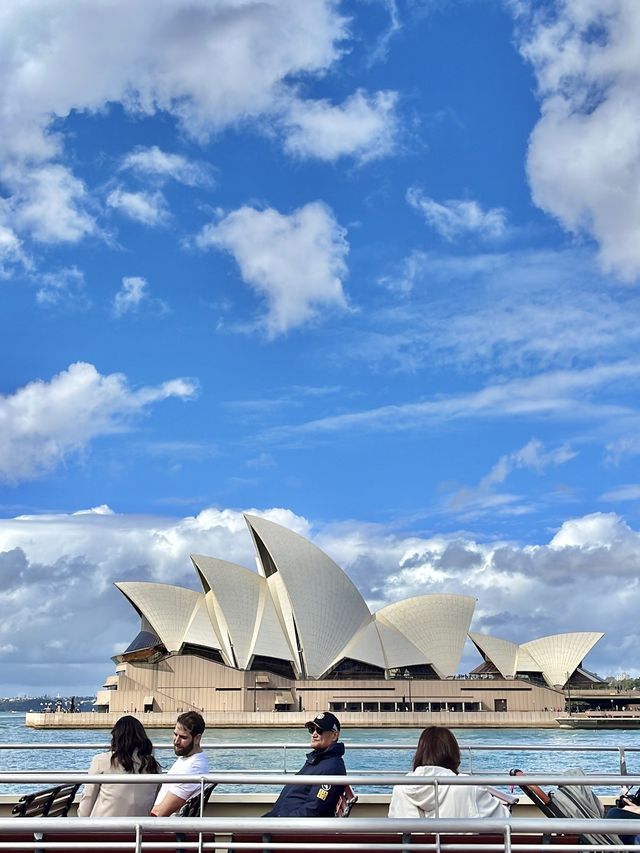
{"x":244,"y":777}
{"x":215,"y":834}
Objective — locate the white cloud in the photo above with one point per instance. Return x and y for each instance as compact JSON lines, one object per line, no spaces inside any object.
{"x":629,"y":492}
{"x":528,"y":591}
{"x":153,"y":162}
{"x":45,"y":423}
{"x":475,"y":501}
{"x":597,"y":530}
{"x":149,"y":208}
{"x":296,"y":262}
{"x":584,"y":153}
{"x":516,"y":310}
{"x":532,"y":455}
{"x":66,"y":286}
{"x":363,"y":126}
{"x":455,"y":218}
{"x":152,"y":57}
{"x":49,"y":202}
{"x":57,"y":573}
{"x":133,"y":292}
{"x":56,"y":583}
{"x":626,"y":445}
{"x":381,"y":49}
{"x":11,"y":251}
{"x":562,"y":394}
{"x":206,"y":65}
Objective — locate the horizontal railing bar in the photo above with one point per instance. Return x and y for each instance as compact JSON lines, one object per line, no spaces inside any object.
{"x":350,"y":746}
{"x":416,"y":847}
{"x":240,"y":777}
{"x":473,"y":846}
{"x":316,"y":826}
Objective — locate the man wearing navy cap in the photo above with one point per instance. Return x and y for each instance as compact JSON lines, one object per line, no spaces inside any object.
{"x":325,"y":759}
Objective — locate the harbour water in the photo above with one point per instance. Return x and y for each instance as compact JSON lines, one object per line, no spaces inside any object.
{"x":13,"y":734}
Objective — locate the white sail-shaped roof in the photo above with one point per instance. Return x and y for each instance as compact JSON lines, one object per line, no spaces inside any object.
{"x":526,"y":663}
{"x":243,"y":610}
{"x":327,"y":608}
{"x":234,"y":593}
{"x":560,"y":654}
{"x":200,"y":631}
{"x":398,"y":650}
{"x":269,"y":639}
{"x":435,"y":624}
{"x":282,"y":606}
{"x":502,"y":653}
{"x":167,"y":608}
{"x":365,"y":646}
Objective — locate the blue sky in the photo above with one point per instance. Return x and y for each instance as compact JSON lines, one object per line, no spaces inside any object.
{"x":369,"y":268}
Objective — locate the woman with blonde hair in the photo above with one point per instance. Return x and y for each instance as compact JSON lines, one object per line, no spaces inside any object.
{"x":438,"y":754}
{"x":131,"y":752}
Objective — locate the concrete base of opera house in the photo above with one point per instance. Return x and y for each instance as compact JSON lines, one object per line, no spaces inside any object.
{"x":293,"y":719}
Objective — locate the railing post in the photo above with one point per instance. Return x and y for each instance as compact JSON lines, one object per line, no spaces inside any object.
{"x":623,"y":760}
{"x":436,"y":814}
{"x":507,"y":838}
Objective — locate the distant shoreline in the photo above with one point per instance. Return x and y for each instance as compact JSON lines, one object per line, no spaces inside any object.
{"x":25,"y":704}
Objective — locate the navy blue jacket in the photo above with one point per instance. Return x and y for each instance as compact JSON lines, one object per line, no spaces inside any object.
{"x":313,"y":800}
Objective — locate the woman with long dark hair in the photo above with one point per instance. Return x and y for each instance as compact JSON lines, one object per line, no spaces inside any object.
{"x":131,"y":752}
{"x":438,"y":754}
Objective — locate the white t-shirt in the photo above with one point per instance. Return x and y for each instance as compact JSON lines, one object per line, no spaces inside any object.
{"x":196,"y":764}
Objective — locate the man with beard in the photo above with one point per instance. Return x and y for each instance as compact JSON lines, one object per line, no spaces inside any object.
{"x":325,"y":759}
{"x":191,"y":760}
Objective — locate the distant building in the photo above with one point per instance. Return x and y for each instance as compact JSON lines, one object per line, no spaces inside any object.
{"x":297,"y":635}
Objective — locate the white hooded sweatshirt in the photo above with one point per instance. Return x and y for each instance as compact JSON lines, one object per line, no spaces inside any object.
{"x":453,"y":800}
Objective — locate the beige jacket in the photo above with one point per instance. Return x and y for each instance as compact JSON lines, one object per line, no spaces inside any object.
{"x":116,"y":800}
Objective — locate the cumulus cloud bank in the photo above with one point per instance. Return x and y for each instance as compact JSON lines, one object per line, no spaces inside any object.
{"x":44,"y":423}
{"x":57,"y":574}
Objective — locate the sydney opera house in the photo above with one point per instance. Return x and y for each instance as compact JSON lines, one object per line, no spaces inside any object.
{"x":298,"y":636}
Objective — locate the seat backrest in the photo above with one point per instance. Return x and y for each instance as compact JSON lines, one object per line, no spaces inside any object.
{"x":191,"y":807}
{"x":52,"y":802}
{"x":346,"y":802}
